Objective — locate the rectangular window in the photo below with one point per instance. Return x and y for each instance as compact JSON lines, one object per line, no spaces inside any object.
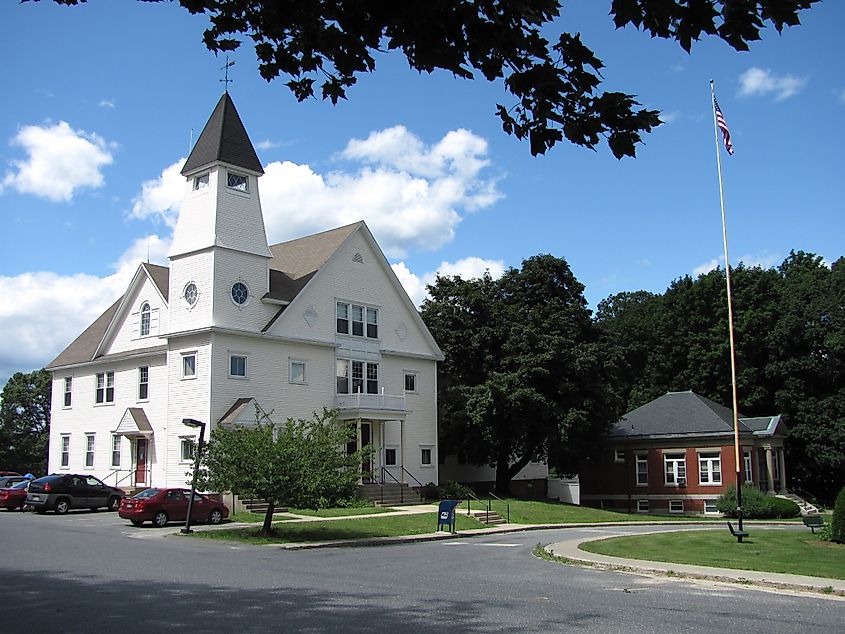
{"x":710,"y":507}
{"x":372,"y":323}
{"x":297,"y":371}
{"x":89,"y":450}
{"x":343,"y":318}
{"x":358,"y":320}
{"x":357,"y":377}
{"x":676,"y":506}
{"x":746,"y":459}
{"x":143,"y":383}
{"x":186,"y":449}
{"x":372,"y":378}
{"x":425,"y":456}
{"x":68,"y":389}
{"x":237,"y":366}
{"x":237,"y":181}
{"x":105,"y":388}
{"x":115,"y":451}
{"x":390,"y":457}
{"x":189,"y":365}
{"x":342,"y":376}
{"x":642,"y":506}
{"x":410,"y":382}
{"x":65,"y":451}
{"x":618,"y":455}
{"x":200,"y":182}
{"x":775,"y":468}
{"x":642,"y":469}
{"x":710,"y":467}
{"x":676,"y":468}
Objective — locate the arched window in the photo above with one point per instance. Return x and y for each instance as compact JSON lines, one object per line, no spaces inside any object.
{"x":145,"y":319}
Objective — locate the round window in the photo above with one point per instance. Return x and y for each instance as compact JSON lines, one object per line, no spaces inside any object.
{"x":239,"y":293}
{"x":191,"y":294}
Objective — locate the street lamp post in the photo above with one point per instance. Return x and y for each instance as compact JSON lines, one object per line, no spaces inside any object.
{"x":190,"y":422}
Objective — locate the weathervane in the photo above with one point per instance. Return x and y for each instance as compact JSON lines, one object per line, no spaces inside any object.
{"x":225,"y":67}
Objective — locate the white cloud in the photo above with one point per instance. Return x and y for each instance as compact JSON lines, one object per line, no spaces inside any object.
{"x":267,"y":144}
{"x":161,"y":197}
{"x":467,"y":268}
{"x":763,"y":260}
{"x":51,"y":310}
{"x":842,"y":96}
{"x":669,"y":117}
{"x":60,"y":160}
{"x":706,"y":267}
{"x":109,"y":104}
{"x":760,"y":82}
{"x":412,"y":196}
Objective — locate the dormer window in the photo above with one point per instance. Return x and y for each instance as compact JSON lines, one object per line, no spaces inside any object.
{"x":200,"y":182}
{"x":145,"y":319}
{"x":237,"y":181}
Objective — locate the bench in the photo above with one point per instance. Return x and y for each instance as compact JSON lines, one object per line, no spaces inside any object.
{"x":738,"y":534}
{"x":813,"y":522}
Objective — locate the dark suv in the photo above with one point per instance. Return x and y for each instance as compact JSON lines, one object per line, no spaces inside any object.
{"x":64,"y":491}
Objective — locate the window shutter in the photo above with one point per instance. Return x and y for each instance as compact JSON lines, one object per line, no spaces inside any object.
{"x":154,"y":321}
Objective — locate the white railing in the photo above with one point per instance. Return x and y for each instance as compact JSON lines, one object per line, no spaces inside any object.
{"x":371,"y":401}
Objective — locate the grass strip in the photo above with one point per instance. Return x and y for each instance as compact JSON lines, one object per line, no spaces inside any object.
{"x":783,"y":551}
{"x":342,"y":511}
{"x":351,"y":529}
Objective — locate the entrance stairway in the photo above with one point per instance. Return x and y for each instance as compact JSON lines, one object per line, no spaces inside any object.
{"x":260,"y":506}
{"x":389,"y":494}
{"x":491,"y":518}
{"x":806,"y":507}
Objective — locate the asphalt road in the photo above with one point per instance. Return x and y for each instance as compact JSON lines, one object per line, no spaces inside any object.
{"x":93,"y":572}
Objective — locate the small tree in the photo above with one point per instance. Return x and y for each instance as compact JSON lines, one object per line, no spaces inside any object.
{"x":25,"y":421}
{"x":837,"y":525}
{"x":300,"y":463}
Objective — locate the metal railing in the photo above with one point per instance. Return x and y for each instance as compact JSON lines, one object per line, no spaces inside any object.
{"x":489,"y":502}
{"x":128,"y":473}
{"x":384,"y":472}
{"x":507,"y":505}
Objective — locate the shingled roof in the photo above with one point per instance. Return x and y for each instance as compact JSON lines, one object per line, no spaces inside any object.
{"x":675,"y":414}
{"x":223,"y":139}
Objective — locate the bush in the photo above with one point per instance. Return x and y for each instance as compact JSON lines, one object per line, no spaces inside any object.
{"x":825,"y":533}
{"x":837,"y":525}
{"x":447,"y":491}
{"x":756,"y":504}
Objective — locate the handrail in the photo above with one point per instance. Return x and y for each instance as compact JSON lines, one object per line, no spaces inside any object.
{"x":401,"y":488}
{"x":507,"y":505}
{"x":419,"y":484}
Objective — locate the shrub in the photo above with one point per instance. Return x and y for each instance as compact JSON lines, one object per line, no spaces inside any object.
{"x":756,"y":504}
{"x":452,"y":490}
{"x":825,"y":533}
{"x":430,"y":491}
{"x":837,"y":525}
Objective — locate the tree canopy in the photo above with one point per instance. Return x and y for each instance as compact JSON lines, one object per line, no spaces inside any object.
{"x":553,"y":78}
{"x":790,"y":343}
{"x":527,"y":374}
{"x":25,"y":422}
{"x":302,"y":463}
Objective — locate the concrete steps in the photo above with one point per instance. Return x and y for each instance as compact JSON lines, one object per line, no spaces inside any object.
{"x":389,"y":494}
{"x":260,"y":507}
{"x":806,"y":507}
{"x":490,"y":518}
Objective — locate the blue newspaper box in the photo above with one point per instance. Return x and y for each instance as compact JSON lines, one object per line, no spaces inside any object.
{"x":446,"y":514}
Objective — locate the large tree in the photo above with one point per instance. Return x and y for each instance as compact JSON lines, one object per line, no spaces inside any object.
{"x":790,"y":345}
{"x":527,"y":374}
{"x":25,"y":422}
{"x":301,"y":463}
{"x":553,"y":78}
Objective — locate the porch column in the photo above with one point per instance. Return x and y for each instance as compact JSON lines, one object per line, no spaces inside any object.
{"x":782,"y":464}
{"x":770,"y":471}
{"x":358,"y":447}
{"x":402,"y":450}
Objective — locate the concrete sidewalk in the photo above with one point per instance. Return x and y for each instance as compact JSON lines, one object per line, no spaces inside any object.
{"x":569,"y":549}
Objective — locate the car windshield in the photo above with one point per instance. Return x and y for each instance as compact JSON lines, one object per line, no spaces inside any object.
{"x":146,"y":493}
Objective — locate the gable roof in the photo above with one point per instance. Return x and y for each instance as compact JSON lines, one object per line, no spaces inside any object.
{"x":223,"y":139}
{"x":304,"y":256}
{"x":675,"y":414}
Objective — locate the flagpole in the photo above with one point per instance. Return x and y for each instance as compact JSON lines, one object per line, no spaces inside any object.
{"x":737,"y":452}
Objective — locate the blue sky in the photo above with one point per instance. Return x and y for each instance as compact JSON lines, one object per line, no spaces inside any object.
{"x":100,"y":102}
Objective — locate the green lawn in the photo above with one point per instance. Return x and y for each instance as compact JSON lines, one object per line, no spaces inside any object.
{"x":342,"y":511}
{"x":317,"y":531}
{"x":787,"y":551}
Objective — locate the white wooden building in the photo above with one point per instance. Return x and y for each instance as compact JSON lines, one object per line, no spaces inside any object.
{"x":234,"y":323}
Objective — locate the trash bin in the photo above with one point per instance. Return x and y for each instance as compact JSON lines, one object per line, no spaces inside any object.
{"x":446,"y":514}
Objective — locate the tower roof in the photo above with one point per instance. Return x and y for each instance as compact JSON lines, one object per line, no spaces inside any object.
{"x":223,"y":139}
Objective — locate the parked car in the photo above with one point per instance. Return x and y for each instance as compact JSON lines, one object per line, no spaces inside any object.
{"x":160,"y":506}
{"x":14,"y":496}
{"x":64,"y":491}
{"x":7,"y":481}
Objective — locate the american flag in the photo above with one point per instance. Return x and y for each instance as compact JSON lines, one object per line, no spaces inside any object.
{"x":723,"y":126}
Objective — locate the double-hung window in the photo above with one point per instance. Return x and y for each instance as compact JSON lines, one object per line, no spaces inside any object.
{"x":357,"y":377}
{"x":189,"y":365}
{"x":357,"y":320}
{"x":237,"y":366}
{"x":145,"y":319}
{"x":105,"y":388}
{"x":372,"y":323}
{"x":746,"y":459}
{"x":709,"y":467}
{"x":675,"y":468}
{"x":65,"y":451}
{"x":89,"y":450}
{"x":642,"y":470}
{"x":115,"y":450}
{"x":143,"y":383}
{"x":410,"y":382}
{"x":68,"y":390}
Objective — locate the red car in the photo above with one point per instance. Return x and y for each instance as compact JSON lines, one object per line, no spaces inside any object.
{"x":14,"y":496}
{"x":160,"y":506}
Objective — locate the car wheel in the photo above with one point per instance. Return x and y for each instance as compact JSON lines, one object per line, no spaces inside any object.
{"x":136,"y":522}
{"x":62,"y":506}
{"x":160,"y":519}
{"x":216,"y":516}
{"x":114,"y":502}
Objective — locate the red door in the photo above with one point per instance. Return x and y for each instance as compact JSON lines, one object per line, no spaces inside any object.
{"x":141,"y":461}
